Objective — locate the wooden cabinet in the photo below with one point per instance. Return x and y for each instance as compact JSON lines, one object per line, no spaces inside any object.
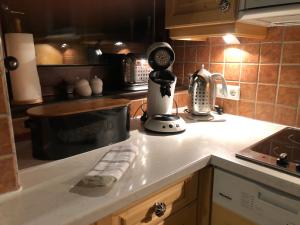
{"x":105,"y":221}
{"x":187,"y":202}
{"x":184,"y":13}
{"x":186,"y":216}
{"x":200,"y":19}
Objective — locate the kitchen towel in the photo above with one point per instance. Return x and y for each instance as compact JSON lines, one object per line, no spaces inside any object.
{"x":111,"y":167}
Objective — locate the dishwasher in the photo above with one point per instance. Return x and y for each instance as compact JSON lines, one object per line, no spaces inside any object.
{"x":239,"y":201}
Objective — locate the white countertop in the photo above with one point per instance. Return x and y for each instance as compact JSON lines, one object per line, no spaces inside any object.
{"x":50,"y":194}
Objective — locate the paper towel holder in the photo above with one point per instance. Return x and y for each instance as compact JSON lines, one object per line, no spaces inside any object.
{"x":25,"y":83}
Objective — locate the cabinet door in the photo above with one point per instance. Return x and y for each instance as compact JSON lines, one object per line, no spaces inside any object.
{"x":186,"y":216}
{"x":184,"y":13}
{"x":222,"y":216}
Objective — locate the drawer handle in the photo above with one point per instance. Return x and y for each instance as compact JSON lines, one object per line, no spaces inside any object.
{"x":224,"y":5}
{"x":160,"y":208}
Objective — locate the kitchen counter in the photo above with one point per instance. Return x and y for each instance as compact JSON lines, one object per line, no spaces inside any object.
{"x":51,"y":194}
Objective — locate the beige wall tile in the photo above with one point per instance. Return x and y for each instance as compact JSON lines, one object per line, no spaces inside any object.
{"x":202,"y":53}
{"x":288,"y":96}
{"x":179,"y":54}
{"x":292,"y":33}
{"x":264,"y":112}
{"x":274,"y":34}
{"x":291,"y":53}
{"x":266,"y":93}
{"x":233,"y":54}
{"x":248,"y":91}
{"x":250,"y":53}
{"x":217,"y":54}
{"x":230,"y":106}
{"x":246,"y":109}
{"x":290,"y":75}
{"x":190,"y":54}
{"x":232,"y":71}
{"x":268,"y":74}
{"x":270,"y":53}
{"x":249,"y":73}
{"x":286,"y":116}
{"x":216,"y":68}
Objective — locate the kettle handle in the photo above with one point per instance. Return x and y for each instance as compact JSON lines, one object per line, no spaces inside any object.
{"x":214,"y":77}
{"x":191,"y":79}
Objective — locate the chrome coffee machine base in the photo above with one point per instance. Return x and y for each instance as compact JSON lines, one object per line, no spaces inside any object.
{"x":208,"y":117}
{"x":165,"y":123}
{"x":211,"y":117}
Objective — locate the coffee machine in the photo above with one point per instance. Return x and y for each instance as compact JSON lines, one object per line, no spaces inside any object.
{"x":161,"y":88}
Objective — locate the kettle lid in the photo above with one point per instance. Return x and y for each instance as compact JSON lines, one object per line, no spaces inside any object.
{"x":203,"y":72}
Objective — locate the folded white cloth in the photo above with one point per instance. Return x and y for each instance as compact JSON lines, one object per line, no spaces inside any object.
{"x":111,"y":167}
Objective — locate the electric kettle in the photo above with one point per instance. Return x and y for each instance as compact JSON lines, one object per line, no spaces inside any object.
{"x":202,"y":91}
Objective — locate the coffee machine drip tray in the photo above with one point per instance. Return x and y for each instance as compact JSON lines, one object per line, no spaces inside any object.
{"x":280,"y":151}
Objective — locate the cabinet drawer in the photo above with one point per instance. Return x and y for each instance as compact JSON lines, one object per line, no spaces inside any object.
{"x":175,"y":198}
{"x":186,"y":216}
{"x":185,"y":13}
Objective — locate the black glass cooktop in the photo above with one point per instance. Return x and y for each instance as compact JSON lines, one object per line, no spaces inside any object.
{"x":280,"y":151}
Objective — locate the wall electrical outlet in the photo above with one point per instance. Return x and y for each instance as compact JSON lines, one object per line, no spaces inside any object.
{"x":233,"y":92}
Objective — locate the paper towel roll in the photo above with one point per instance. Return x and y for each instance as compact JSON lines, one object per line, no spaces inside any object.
{"x":25,"y":82}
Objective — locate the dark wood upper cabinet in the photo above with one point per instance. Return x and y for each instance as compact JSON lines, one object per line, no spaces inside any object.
{"x":187,"y":13}
{"x":92,"y":24}
{"x":130,"y":19}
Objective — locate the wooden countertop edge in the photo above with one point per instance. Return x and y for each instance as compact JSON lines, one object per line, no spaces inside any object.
{"x":74,"y":107}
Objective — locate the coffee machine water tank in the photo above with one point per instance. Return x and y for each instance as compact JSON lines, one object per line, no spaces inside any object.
{"x":161,"y":87}
{"x":162,"y":82}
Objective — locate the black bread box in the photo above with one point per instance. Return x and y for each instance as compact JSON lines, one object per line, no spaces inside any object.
{"x":65,"y":129}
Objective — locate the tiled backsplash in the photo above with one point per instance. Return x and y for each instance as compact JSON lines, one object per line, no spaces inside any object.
{"x":8,"y":165}
{"x":267,"y":71}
